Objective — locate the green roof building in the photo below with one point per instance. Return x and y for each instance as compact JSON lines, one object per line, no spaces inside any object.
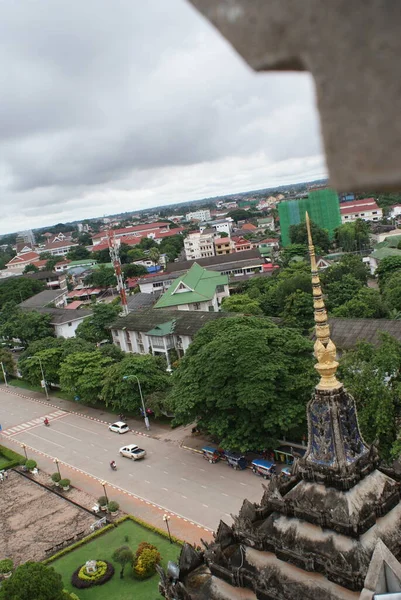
{"x":322,"y":206}
{"x":198,"y":289}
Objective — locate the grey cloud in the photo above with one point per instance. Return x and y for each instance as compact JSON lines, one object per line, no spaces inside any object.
{"x":98,"y":94}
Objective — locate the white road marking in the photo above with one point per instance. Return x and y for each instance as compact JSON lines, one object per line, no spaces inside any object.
{"x":183,"y":479}
{"x":44,"y":439}
{"x":226,"y":495}
{"x":204,"y":487}
{"x":202,"y":470}
{"x":165,"y":472}
{"x":149,"y":467}
{"x":165,"y":489}
{"x":242,"y":483}
{"x":146,"y":481}
{"x":82,"y":428}
{"x":69,"y":436}
{"x":205,"y":505}
{"x":222,"y":477}
{"x":185,"y":498}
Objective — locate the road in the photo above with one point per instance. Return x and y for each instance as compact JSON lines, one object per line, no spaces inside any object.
{"x":176,"y":479}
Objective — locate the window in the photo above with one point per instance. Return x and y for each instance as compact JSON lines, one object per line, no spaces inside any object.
{"x":374,"y":212}
{"x":69,"y":324}
{"x":197,"y":306}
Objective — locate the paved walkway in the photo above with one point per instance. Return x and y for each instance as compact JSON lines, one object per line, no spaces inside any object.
{"x":129,"y":503}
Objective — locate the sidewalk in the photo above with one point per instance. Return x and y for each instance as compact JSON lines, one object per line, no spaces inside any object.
{"x":130,"y":503}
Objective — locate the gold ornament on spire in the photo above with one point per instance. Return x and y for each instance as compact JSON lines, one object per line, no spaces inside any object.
{"x":324,"y":349}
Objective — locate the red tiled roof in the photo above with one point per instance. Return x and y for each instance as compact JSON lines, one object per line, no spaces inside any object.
{"x":169,"y":233}
{"x":62,"y":244}
{"x":269,"y":241}
{"x":222,"y":240}
{"x":130,"y":241}
{"x":249,"y":226}
{"x":24,"y":257}
{"x":83,"y":292}
{"x":74,"y":305}
{"x":132,"y":229}
{"x":367,"y":206}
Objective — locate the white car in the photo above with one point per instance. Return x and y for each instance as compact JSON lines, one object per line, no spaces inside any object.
{"x":132,"y":451}
{"x":119,"y":427}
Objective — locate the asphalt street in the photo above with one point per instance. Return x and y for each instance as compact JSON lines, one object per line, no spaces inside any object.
{"x":177,"y":479}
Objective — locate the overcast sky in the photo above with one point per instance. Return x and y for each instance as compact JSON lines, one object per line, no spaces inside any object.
{"x":109,"y":106}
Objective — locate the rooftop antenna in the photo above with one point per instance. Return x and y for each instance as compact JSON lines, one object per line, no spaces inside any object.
{"x":114,"y":250}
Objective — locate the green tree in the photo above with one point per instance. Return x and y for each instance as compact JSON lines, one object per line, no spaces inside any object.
{"x":237,"y":380}
{"x":367,"y":304}
{"x":27,"y":326}
{"x":391,"y":290}
{"x":95,"y":329}
{"x":6,"y":255}
{"x":387,"y":267}
{"x":147,"y":243}
{"x":298,"y":311}
{"x":132,"y":270}
{"x":102,"y":277}
{"x":372,"y":375}
{"x":78,"y":253}
{"x":288,"y":254}
{"x":241,"y":303}
{"x":50,"y":359}
{"x":349,"y":264}
{"x":52,"y":262}
{"x":353,"y":236}
{"x":154,"y":255}
{"x":30,"y":269}
{"x":172,"y":246}
{"x":123,"y":393}
{"x":19,"y":289}
{"x":239,"y":214}
{"x":299,"y":235}
{"x":81,"y":374}
{"x":339,"y":292}
{"x":33,"y":581}
{"x":136,"y":254}
{"x":123,"y":556}
{"x":8,"y":363}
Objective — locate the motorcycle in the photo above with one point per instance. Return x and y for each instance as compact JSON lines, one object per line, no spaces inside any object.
{"x":46,"y":423}
{"x":113,"y":466}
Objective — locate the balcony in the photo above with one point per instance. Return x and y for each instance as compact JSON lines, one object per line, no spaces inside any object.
{"x":161,"y":342}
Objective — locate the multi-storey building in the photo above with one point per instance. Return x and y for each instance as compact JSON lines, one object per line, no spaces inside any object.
{"x":198,"y":245}
{"x":198,"y":215}
{"x":223,"y":245}
{"x":366,"y":209}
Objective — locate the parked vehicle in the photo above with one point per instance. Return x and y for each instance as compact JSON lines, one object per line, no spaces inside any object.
{"x":286,"y":472}
{"x":133,"y":452}
{"x":235,"y":460}
{"x":211,"y":454}
{"x":119,"y":427}
{"x":264,"y":468}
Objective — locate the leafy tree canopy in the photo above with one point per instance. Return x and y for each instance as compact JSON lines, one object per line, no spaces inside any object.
{"x":33,"y":581}
{"x":124,"y":394}
{"x":78,"y":253}
{"x":237,"y":380}
{"x":298,"y":311}
{"x":132,"y":270}
{"x":82,"y":374}
{"x":19,"y":289}
{"x":30,"y":269}
{"x":27,"y":326}
{"x":136,"y":254}
{"x":372,"y":375}
{"x":299,"y":235}
{"x":349,"y":264}
{"x":339,"y":292}
{"x":95,"y":329}
{"x":289,"y":253}
{"x":392,"y":290}
{"x":387,"y":267}
{"x":241,"y":303}
{"x":353,"y":236}
{"x":367,"y":304}
{"x":123,"y":556}
{"x":8,"y":363}
{"x":102,"y":277}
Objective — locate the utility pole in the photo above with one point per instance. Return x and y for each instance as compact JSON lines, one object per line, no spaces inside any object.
{"x":114,"y":250}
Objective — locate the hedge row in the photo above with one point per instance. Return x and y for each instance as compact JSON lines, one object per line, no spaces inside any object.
{"x":149,"y":527}
{"x":95,"y":534}
{"x":14,"y":458}
{"x":84,"y":540}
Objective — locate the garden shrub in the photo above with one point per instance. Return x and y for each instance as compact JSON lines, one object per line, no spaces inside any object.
{"x":31,"y":464}
{"x":56,"y":477}
{"x":147,"y":557}
{"x":6,"y":565}
{"x":82,"y":580}
{"x":102,"y":501}
{"x":13,"y":458}
{"x":64,"y":483}
{"x":113,"y":506}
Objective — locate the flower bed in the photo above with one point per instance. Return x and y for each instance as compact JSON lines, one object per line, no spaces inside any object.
{"x":81,"y":579}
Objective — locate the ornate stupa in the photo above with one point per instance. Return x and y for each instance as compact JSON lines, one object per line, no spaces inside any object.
{"x":312,"y":537}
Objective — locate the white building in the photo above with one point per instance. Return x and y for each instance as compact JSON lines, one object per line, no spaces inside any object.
{"x":365,"y":209}
{"x":220,"y":225}
{"x":198,"y":245}
{"x":160,"y":332}
{"x":203,"y":214}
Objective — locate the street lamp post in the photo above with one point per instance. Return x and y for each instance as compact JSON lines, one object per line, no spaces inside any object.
{"x":145,"y":416}
{"x":4,"y":374}
{"x":24,"y":447}
{"x":104,"y":490}
{"x":43,"y":375}
{"x":58,"y":468}
{"x":166,"y":519}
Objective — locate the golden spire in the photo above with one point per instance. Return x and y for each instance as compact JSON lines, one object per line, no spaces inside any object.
{"x":325,"y":350}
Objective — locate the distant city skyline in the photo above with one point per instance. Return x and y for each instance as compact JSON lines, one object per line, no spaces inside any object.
{"x":113,"y":108}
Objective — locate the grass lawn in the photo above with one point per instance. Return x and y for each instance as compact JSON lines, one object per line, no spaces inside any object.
{"x":103,"y":548}
{"x":4,"y":462}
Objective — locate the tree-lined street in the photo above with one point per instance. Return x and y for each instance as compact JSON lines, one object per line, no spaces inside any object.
{"x":177,"y":479}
